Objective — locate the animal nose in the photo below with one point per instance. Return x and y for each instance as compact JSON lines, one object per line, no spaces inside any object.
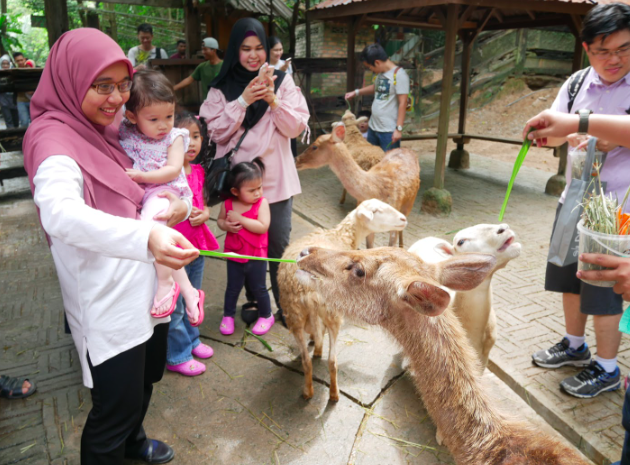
{"x":503,"y":228}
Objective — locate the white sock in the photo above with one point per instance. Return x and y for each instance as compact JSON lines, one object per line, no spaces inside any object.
{"x":575,"y":341}
{"x":608,"y":364}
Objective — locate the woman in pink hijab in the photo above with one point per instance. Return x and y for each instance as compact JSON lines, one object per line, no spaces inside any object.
{"x":103,"y":254}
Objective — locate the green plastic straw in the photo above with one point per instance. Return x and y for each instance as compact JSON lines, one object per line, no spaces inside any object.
{"x":517,"y":166}
{"x":210,"y":253}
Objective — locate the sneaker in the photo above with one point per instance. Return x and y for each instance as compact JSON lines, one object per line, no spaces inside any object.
{"x":592,"y":381}
{"x":561,"y":354}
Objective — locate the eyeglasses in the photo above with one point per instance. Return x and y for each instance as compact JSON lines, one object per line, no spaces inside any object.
{"x":607,"y":54}
{"x":108,"y":88}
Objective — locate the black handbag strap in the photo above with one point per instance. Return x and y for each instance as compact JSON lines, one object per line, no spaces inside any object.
{"x":238,"y":144}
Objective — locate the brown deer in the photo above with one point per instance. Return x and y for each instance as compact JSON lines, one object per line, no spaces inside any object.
{"x":394,"y":289}
{"x":304,"y":310}
{"x":395,"y":180}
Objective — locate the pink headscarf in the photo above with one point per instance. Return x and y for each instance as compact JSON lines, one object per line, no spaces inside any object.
{"x":59,"y":126}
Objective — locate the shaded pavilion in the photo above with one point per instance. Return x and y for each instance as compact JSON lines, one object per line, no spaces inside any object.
{"x":457,"y":18}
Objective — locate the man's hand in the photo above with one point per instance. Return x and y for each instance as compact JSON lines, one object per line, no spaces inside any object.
{"x":620,"y":271}
{"x":576,"y":140}
{"x":602,"y":145}
{"x":396,"y":136}
{"x":550,"y":124}
{"x":349,"y":95}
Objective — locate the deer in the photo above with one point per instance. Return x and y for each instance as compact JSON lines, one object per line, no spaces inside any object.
{"x":409,"y":299}
{"x":395,"y":180}
{"x":301,"y":306}
{"x":365,"y":154}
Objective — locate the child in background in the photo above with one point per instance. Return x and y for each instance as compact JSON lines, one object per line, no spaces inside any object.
{"x":246,"y":219}
{"x":157,"y":150}
{"x":364,"y":125}
{"x":183,"y":338}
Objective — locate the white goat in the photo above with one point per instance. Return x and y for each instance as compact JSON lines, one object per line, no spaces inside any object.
{"x":474,"y":307}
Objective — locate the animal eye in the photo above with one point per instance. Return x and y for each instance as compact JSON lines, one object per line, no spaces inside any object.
{"x":461,"y":242}
{"x":349,"y":266}
{"x":314,"y":147}
{"x":359,"y":272}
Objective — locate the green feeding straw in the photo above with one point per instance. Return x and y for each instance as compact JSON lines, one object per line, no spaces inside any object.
{"x":517,"y":166}
{"x":210,"y":253}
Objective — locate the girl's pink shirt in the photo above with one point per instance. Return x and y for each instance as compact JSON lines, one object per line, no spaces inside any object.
{"x":269,"y":139}
{"x":199,"y":236}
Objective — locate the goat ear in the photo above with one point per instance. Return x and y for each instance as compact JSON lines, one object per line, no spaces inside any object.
{"x":466,"y":271}
{"x":427,"y":299}
{"x":444,"y":248}
{"x":366,"y":213}
{"x":339,"y":133}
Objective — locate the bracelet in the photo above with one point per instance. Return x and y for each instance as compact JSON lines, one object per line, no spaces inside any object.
{"x":275,"y":103}
{"x":242,"y":101}
{"x":356,"y":92}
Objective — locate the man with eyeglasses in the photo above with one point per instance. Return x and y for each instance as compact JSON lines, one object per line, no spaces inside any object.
{"x":604,"y":89}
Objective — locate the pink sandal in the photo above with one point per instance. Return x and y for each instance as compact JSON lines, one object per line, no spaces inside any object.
{"x":227,"y":326}
{"x":202,"y":298}
{"x":203,"y":351}
{"x":173,"y":293}
{"x":263,"y":325}
{"x":189,"y":368}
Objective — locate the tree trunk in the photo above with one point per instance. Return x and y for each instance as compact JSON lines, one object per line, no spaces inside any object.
{"x":3,"y":10}
{"x":294,"y":22}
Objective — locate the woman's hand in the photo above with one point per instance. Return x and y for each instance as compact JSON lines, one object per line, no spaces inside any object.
{"x":620,"y":272}
{"x":177,"y":210}
{"x":265,"y":75}
{"x":254,"y":91}
{"x":198,"y":216}
{"x":285,"y":67}
{"x":350,"y":95}
{"x":270,"y":96}
{"x":163,"y":244}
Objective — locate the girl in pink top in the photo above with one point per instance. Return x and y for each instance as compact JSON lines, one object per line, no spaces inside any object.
{"x":246,"y":219}
{"x":183,"y":338}
{"x":248,"y":94}
{"x":157,"y":151}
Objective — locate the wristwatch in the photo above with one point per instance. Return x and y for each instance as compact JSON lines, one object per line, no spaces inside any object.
{"x":583,"y":124}
{"x":399,"y":128}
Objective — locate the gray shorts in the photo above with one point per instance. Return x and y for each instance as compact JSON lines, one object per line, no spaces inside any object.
{"x":594,"y":300}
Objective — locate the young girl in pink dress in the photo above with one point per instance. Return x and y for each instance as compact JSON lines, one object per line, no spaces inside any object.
{"x":183,"y":338}
{"x":246,"y":219}
{"x":157,"y":150}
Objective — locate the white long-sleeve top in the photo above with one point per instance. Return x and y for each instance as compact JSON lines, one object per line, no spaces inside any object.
{"x":104,"y":266}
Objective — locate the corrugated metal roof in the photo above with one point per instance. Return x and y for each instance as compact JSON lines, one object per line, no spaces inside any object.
{"x":262,"y":7}
{"x":335,"y":3}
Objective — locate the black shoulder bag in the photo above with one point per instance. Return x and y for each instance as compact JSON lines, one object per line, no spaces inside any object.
{"x":216,"y":173}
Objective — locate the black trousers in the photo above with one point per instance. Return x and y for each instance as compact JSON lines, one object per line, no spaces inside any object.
{"x":254,"y":273}
{"x":279,"y":234}
{"x":120,"y":398}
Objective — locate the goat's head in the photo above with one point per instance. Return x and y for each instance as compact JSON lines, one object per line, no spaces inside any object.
{"x":319,"y":152}
{"x":349,"y":119}
{"x":377,"y":216}
{"x":371,"y":285}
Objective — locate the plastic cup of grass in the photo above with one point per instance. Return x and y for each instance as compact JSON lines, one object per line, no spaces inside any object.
{"x":601,"y":243}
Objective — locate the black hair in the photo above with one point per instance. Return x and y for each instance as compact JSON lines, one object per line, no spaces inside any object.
{"x":181,"y":41}
{"x":183,"y":119}
{"x":18,"y":54}
{"x":245,"y":171}
{"x":273,"y":41}
{"x":604,"y":20}
{"x":373,"y":52}
{"x":145,"y":27}
{"x":366,"y":113}
{"x":149,"y":87}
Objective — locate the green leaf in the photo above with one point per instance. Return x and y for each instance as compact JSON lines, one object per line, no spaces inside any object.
{"x":262,"y":341}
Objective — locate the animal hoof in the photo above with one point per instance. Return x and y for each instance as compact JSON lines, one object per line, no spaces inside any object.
{"x":438,"y":438}
{"x":317,"y":353}
{"x":308,"y":395}
{"x":334,"y":397}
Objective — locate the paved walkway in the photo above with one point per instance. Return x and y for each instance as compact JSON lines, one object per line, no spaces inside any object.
{"x":247,"y":408}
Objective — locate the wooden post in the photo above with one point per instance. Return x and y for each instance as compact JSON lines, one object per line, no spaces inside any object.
{"x":460,"y":158}
{"x":113,"y":27}
{"x":351,"y":64}
{"x":56,"y":19}
{"x":578,"y":55}
{"x":3,"y":10}
{"x":193,"y":29}
{"x":307,"y":53}
{"x":437,"y":200}
{"x":447,"y":89}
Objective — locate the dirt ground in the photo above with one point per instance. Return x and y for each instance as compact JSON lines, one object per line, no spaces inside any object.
{"x":504,"y":116}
